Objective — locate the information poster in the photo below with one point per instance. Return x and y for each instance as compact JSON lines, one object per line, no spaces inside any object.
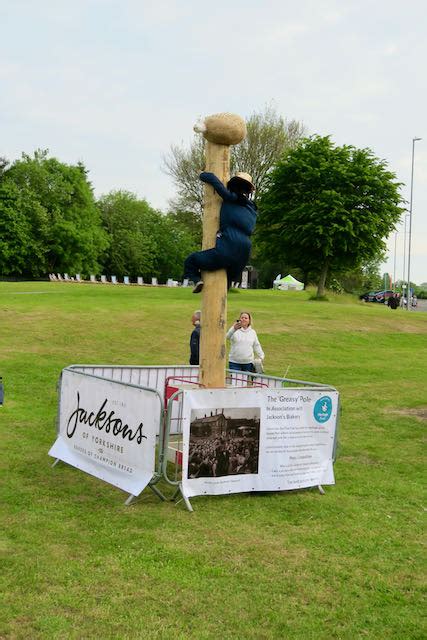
{"x":108,"y":430}
{"x":257,"y":439}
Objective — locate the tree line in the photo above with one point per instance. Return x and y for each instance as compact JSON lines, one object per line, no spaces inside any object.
{"x":50,"y":221}
{"x":324,"y":212}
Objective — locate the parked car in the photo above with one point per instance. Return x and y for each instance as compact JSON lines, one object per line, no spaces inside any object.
{"x":368,"y":296}
{"x":376,"y":296}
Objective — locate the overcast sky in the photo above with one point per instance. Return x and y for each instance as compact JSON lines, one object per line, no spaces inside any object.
{"x":114,"y":84}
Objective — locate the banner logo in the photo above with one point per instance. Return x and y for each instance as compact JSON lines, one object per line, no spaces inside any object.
{"x":102,"y":420}
{"x":323,"y":409}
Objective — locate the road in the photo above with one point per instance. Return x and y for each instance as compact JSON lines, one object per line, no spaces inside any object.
{"x":421,"y":306}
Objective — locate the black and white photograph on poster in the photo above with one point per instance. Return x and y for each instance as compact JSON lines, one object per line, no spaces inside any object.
{"x":224,"y":442}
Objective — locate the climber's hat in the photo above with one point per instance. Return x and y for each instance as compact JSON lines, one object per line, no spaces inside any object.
{"x":241,"y":175}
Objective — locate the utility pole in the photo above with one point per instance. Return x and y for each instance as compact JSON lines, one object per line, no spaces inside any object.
{"x":408,"y":291}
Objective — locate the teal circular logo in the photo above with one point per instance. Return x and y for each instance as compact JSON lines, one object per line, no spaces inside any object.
{"x":323,"y":409}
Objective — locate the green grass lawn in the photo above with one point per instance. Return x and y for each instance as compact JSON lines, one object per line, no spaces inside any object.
{"x":77,"y":563}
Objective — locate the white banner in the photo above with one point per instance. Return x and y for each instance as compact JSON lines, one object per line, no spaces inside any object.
{"x":257,"y":439}
{"x":108,"y":430}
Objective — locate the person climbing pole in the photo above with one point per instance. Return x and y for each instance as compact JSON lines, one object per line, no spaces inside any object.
{"x":237,"y":222}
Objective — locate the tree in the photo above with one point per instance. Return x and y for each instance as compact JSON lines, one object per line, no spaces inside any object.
{"x":184,"y":167}
{"x":328,"y":208}
{"x":129,"y":224}
{"x":4,"y":163}
{"x":143,"y":241}
{"x":188,"y":221}
{"x":174,"y":243}
{"x":269,"y":136}
{"x":22,"y":226}
{"x":51,"y":207}
{"x":366,"y":277}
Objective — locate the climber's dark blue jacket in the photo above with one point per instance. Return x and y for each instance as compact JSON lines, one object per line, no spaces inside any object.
{"x":237,"y":221}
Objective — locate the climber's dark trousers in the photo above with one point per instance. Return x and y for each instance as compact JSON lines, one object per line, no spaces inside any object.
{"x":211,"y":260}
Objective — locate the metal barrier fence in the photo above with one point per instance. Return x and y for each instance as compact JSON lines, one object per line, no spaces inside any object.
{"x":93,"y":372}
{"x":161,"y":378}
{"x":173,"y":448}
{"x":168,"y":382}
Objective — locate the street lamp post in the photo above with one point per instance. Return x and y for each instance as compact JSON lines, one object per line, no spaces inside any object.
{"x":404,"y":251}
{"x":394,"y":261}
{"x":408,"y":289}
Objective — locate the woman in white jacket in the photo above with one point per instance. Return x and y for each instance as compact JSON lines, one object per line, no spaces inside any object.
{"x":245,"y":346}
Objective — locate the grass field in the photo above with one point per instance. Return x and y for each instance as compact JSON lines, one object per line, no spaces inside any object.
{"x":77,"y":563}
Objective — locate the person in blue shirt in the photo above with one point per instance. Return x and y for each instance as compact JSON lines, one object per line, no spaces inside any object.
{"x":195,"y":338}
{"x":237,"y":222}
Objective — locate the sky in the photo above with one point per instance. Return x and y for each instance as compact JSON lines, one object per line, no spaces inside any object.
{"x":115,"y":84}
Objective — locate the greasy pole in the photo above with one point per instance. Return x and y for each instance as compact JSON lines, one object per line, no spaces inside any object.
{"x":214,"y":293}
{"x":220,"y":131}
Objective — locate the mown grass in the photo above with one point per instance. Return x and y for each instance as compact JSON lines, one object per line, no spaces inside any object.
{"x":77,"y":563}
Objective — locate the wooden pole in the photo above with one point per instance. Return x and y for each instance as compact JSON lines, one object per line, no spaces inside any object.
{"x":214,"y":293}
{"x":220,"y":130}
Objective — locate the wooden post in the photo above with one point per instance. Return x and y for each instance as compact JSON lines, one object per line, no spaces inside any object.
{"x":214,"y":293}
{"x":220,"y":131}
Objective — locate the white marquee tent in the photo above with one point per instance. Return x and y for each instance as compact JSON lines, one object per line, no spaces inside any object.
{"x":288,"y":283}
